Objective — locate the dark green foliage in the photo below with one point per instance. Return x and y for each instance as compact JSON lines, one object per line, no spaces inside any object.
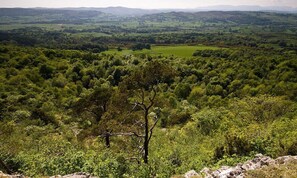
{"x":46,"y":71}
{"x":208,"y":121}
{"x":153,"y":73}
{"x":212,"y":53}
{"x":117,"y":74}
{"x":292,"y":150}
{"x":89,"y":57}
{"x":214,"y":90}
{"x":237,"y":145}
{"x":95,"y":48}
{"x":179,"y":118}
{"x":140,"y":46}
{"x":219,"y":152}
{"x":95,"y":103}
{"x":44,"y":117}
{"x":182,"y":91}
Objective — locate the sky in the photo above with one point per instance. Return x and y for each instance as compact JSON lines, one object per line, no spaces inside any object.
{"x":147,"y":4}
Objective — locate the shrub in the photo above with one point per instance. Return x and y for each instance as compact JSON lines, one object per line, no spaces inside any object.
{"x":207,"y":120}
{"x":292,"y":150}
{"x":179,"y":118}
{"x":182,"y":91}
{"x":237,"y":145}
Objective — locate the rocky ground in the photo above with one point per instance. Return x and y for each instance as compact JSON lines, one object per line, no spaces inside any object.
{"x":2,"y":175}
{"x":75,"y":175}
{"x":240,"y":170}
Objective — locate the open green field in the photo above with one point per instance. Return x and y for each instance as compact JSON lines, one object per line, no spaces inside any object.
{"x":176,"y":50}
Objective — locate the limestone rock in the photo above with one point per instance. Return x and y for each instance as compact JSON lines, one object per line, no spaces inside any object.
{"x":285,"y":159}
{"x":191,"y":173}
{"x":2,"y":175}
{"x":239,"y":170}
{"x":206,"y":172}
{"x":75,"y":175}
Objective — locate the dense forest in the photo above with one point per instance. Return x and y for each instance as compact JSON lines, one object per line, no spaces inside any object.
{"x":81,"y":90}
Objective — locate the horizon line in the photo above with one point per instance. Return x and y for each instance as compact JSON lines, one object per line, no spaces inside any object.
{"x":198,"y":7}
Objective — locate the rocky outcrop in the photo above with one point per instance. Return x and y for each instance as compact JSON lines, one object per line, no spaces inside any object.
{"x":239,"y":170}
{"x":75,"y":175}
{"x":191,"y":173}
{"x":2,"y":175}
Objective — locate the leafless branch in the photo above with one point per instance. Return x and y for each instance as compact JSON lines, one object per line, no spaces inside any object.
{"x":152,"y":128}
{"x":122,"y":134}
{"x":153,"y":98}
{"x":139,"y":123}
{"x":142,"y":105}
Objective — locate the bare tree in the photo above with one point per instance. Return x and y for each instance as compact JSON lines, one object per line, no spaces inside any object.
{"x":142,"y":85}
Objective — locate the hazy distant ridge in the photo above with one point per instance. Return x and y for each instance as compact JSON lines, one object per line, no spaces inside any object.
{"x":124,"y":11}
{"x":138,"y":11}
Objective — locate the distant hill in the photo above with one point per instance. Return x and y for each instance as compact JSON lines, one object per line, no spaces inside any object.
{"x":248,"y":8}
{"x":237,"y":17}
{"x":90,"y":15}
{"x":129,"y":11}
{"x":124,"y":11}
{"x":13,"y":12}
{"x":45,"y":15}
{"x":86,"y":12}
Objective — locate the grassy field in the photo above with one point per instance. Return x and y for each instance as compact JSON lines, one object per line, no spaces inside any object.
{"x":178,"y":50}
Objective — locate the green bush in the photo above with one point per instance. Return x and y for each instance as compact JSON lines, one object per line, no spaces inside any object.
{"x":292,"y":150}
{"x":208,"y":120}
{"x":182,"y":91}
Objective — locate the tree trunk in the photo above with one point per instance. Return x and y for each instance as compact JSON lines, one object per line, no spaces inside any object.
{"x":146,"y":138}
{"x":107,"y":140}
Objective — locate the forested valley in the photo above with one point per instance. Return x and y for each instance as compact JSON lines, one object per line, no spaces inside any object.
{"x":152,"y":95}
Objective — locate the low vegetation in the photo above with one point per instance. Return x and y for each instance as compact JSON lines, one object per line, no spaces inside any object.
{"x":287,"y":170}
{"x":193,"y":99}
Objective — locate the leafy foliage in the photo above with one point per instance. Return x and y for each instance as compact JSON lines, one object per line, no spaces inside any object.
{"x":59,"y":94}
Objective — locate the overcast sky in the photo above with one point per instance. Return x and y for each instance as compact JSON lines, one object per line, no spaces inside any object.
{"x":148,"y":4}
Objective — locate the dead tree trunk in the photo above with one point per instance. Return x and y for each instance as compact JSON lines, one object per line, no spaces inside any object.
{"x":147,"y":132}
{"x":107,"y":139}
{"x":146,"y":138}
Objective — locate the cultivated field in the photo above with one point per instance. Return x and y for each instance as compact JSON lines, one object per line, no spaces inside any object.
{"x":175,"y":50}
